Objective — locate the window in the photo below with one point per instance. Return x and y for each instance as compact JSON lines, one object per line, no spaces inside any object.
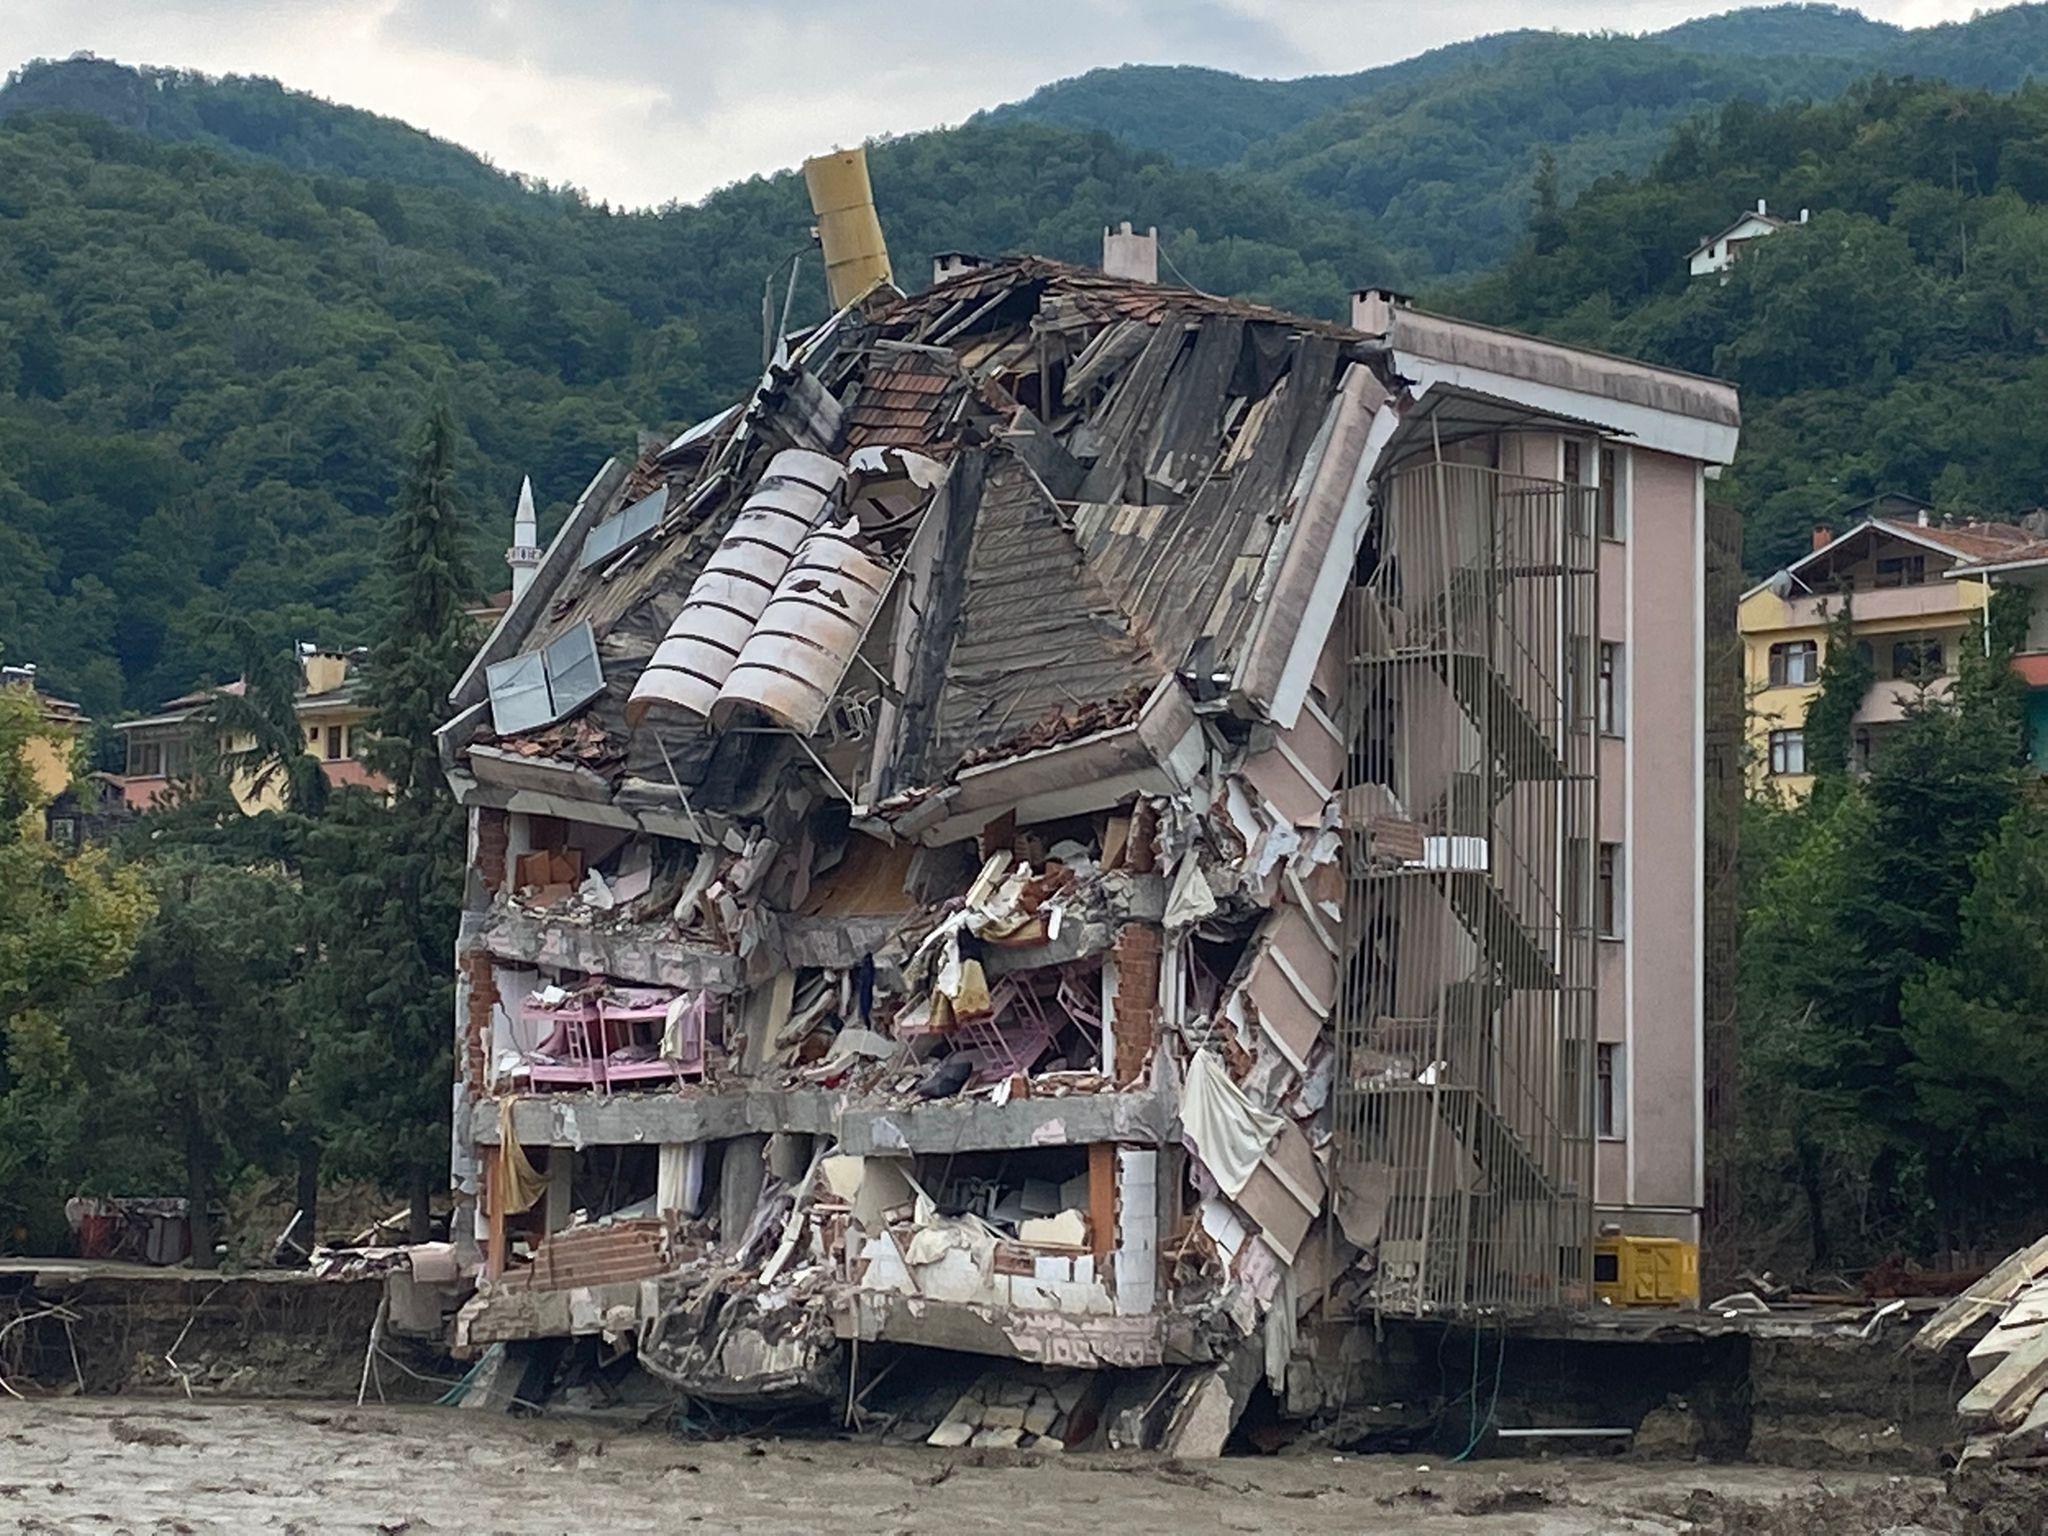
{"x":1608,"y":1086}
{"x":1916,"y":659}
{"x":1574,"y":463}
{"x":1902,"y":571}
{"x":1611,"y":695}
{"x":1613,"y":513}
{"x":1607,"y":891}
{"x":1795,"y":662}
{"x":1788,"y":752}
{"x":337,"y":742}
{"x":145,"y":759}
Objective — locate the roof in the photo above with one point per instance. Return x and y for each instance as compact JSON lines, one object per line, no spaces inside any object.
{"x":1751,"y":217}
{"x":1967,"y":543}
{"x":1096,"y":488}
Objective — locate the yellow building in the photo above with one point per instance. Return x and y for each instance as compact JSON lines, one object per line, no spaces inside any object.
{"x":1906,"y":612}
{"x":52,"y":754}
{"x":171,"y":744}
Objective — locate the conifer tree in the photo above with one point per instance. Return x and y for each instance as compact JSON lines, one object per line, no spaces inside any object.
{"x":387,"y":874}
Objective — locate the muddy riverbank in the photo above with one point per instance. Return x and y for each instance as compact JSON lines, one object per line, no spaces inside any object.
{"x":172,"y":1468}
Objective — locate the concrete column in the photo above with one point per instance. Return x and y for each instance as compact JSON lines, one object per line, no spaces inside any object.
{"x":740,"y":1172}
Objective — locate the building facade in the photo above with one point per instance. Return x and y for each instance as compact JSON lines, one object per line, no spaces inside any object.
{"x":178,"y":740}
{"x":1907,"y":587}
{"x":1090,"y":823}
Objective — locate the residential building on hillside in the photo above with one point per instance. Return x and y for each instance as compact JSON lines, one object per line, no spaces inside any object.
{"x":1911,"y":602}
{"x":1090,"y":823}
{"x":1715,"y":254}
{"x":73,"y":812}
{"x":176,"y":740}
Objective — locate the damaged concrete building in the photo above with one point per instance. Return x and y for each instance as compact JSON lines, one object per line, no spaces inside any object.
{"x":1089,"y":823}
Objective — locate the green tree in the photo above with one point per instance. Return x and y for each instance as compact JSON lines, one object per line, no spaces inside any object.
{"x":387,"y":878}
{"x":1976,"y":1034}
{"x":67,"y":923}
{"x":186,"y":1064}
{"x":1846,"y":673}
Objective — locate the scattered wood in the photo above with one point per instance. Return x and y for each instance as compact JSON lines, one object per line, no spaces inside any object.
{"x":1986,"y":1298}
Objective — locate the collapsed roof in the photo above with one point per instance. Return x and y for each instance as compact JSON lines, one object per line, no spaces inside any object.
{"x":993,"y":546}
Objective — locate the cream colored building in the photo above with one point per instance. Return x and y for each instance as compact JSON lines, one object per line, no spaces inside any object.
{"x":172,"y":743}
{"x":1893,"y":573}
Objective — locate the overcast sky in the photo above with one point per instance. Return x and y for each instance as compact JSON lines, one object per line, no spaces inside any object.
{"x":641,"y":101}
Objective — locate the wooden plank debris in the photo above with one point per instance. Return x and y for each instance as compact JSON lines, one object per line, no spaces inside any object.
{"x":2004,"y":1397}
{"x":1988,"y":1296}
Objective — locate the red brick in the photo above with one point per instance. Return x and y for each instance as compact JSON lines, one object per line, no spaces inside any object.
{"x":1137,"y":998}
{"x":476,"y":1033}
{"x":493,"y":846}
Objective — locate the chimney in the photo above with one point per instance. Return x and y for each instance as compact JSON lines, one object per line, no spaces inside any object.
{"x":1803,"y":213}
{"x":1923,"y":517}
{"x":1823,"y":535}
{"x":1761,"y":206}
{"x":1128,"y":254}
{"x":948,"y":264}
{"x":524,"y":555}
{"x":849,"y":230}
{"x":1372,"y":309}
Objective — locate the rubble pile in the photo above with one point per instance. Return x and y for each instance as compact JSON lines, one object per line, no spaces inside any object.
{"x":2006,"y":1411}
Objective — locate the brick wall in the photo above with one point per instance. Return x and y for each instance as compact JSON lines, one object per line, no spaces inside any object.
{"x":476,"y":1032}
{"x":493,"y":845}
{"x":1137,"y":998}
{"x":627,"y":1250}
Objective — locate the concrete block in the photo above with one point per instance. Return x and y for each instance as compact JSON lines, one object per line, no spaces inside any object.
{"x":1004,"y":1416}
{"x":997,"y":1439}
{"x":1039,"y":1418}
{"x":953,"y":1432}
{"x":1047,"y":1266}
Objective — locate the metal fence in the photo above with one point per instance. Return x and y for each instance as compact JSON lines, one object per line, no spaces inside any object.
{"x":1465,"y":1027}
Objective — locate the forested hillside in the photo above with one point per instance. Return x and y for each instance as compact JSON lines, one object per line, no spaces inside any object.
{"x":1441,"y":151}
{"x":1896,"y":342}
{"x":209,"y":356}
{"x":215,"y":327}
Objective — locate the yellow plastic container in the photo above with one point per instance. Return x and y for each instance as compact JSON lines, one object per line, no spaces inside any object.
{"x":1646,"y":1272}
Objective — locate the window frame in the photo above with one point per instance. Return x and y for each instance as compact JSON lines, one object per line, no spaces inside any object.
{"x":1783,"y":741}
{"x":1778,"y":663}
{"x":1610,"y":916}
{"x":1905,"y":571}
{"x":1611,"y":497}
{"x":334,"y":744}
{"x":1924,"y":646}
{"x":1610,"y":688}
{"x":1610,"y":1091}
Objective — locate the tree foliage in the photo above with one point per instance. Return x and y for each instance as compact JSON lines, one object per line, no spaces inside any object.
{"x":67,"y":923}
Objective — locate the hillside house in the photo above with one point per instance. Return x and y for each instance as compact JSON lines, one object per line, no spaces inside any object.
{"x":175,"y":741}
{"x":1912,"y":587}
{"x":1715,"y":254}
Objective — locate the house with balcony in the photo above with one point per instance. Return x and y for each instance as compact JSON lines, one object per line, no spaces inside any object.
{"x":1088,"y":823}
{"x":1908,"y":586}
{"x":178,"y":739}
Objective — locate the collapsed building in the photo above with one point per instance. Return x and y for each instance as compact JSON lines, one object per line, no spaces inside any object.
{"x":1089,"y":823}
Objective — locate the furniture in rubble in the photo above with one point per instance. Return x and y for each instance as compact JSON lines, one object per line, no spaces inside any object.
{"x":615,"y":1043}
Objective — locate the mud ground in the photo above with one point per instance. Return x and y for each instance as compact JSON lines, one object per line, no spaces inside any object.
{"x":177,"y":1469}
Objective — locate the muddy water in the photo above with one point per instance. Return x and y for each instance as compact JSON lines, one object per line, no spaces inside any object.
{"x":170,"y":1468}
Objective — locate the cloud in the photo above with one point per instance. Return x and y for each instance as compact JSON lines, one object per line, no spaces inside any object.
{"x":643,"y":101}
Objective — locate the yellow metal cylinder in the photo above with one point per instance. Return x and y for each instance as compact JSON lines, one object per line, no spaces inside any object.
{"x":849,"y":230}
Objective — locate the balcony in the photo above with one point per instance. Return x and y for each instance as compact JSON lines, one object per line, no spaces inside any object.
{"x":1887,"y":702}
{"x":1930,"y":600}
